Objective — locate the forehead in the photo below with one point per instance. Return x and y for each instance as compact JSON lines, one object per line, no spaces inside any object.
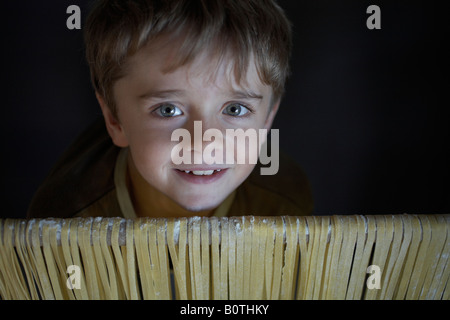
{"x":161,"y":63}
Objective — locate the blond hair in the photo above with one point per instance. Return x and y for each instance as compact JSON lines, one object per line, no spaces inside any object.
{"x":117,"y":29}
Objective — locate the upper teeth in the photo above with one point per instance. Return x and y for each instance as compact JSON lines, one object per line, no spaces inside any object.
{"x":202,"y":173}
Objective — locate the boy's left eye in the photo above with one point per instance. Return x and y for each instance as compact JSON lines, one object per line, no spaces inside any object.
{"x":236,"y":110}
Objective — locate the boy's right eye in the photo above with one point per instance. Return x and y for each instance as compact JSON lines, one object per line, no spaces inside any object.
{"x":168,"y":110}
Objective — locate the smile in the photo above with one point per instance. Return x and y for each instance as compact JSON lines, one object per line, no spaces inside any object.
{"x":202,"y":173}
{"x":201,"y":176}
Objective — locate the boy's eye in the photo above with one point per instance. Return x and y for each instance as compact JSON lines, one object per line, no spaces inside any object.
{"x":236,"y":110}
{"x":168,"y":110}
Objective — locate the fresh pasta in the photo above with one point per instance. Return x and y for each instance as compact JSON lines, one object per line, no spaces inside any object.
{"x":321,"y":257}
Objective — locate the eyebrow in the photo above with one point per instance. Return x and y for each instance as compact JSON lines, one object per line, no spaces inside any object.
{"x":236,"y":94}
{"x":247,"y":94}
{"x":161,"y":94}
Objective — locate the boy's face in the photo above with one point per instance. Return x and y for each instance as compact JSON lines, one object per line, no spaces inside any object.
{"x":151,"y":104}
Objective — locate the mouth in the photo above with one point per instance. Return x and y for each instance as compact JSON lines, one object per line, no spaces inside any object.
{"x":201,"y":172}
{"x":201,"y":176}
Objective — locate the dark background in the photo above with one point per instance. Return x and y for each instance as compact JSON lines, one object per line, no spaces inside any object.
{"x":365,"y":112}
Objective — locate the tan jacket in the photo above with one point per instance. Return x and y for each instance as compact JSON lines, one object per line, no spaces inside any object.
{"x":89,"y":180}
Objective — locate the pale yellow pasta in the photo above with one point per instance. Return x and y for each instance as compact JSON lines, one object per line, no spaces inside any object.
{"x":404,"y":228}
{"x":420,"y":266}
{"x":303,"y":247}
{"x":329,"y":239}
{"x":312,"y":246}
{"x":392,"y":257}
{"x":442,"y":273}
{"x":239,"y":277}
{"x":232,"y":259}
{"x":433,"y":255}
{"x":205,"y":269}
{"x":333,"y":282}
{"x":291,"y":254}
{"x":195,"y":260}
{"x":223,"y":264}
{"x":321,"y":230}
{"x":383,"y":236}
{"x":274,"y":259}
{"x":215,"y":258}
{"x":358,"y":273}
{"x":75,"y":243}
{"x":176,"y":241}
{"x":115,"y":292}
{"x":41,"y":269}
{"x":248,"y":227}
{"x":257,"y":259}
{"x":321,"y":257}
{"x":10,"y":262}
{"x":163,"y":260}
{"x":116,"y":248}
{"x":103,"y":281}
{"x":410,"y":258}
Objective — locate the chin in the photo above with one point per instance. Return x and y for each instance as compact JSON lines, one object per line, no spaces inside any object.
{"x":200,"y":205}
{"x":194,"y":208}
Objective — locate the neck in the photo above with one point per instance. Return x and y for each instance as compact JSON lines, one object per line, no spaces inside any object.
{"x":149,"y":202}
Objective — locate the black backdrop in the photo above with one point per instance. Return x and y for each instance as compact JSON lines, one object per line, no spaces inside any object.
{"x":365,"y":112}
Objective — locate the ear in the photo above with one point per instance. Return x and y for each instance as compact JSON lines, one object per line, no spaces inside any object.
{"x":271,"y":116}
{"x":113,"y":126}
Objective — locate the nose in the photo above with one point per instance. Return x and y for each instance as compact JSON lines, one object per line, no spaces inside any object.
{"x":206,"y":143}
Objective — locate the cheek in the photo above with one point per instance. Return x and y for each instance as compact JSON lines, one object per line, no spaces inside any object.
{"x":150,"y":151}
{"x":243,"y":146}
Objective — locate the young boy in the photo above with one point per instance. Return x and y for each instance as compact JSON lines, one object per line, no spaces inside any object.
{"x":159,"y":66}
